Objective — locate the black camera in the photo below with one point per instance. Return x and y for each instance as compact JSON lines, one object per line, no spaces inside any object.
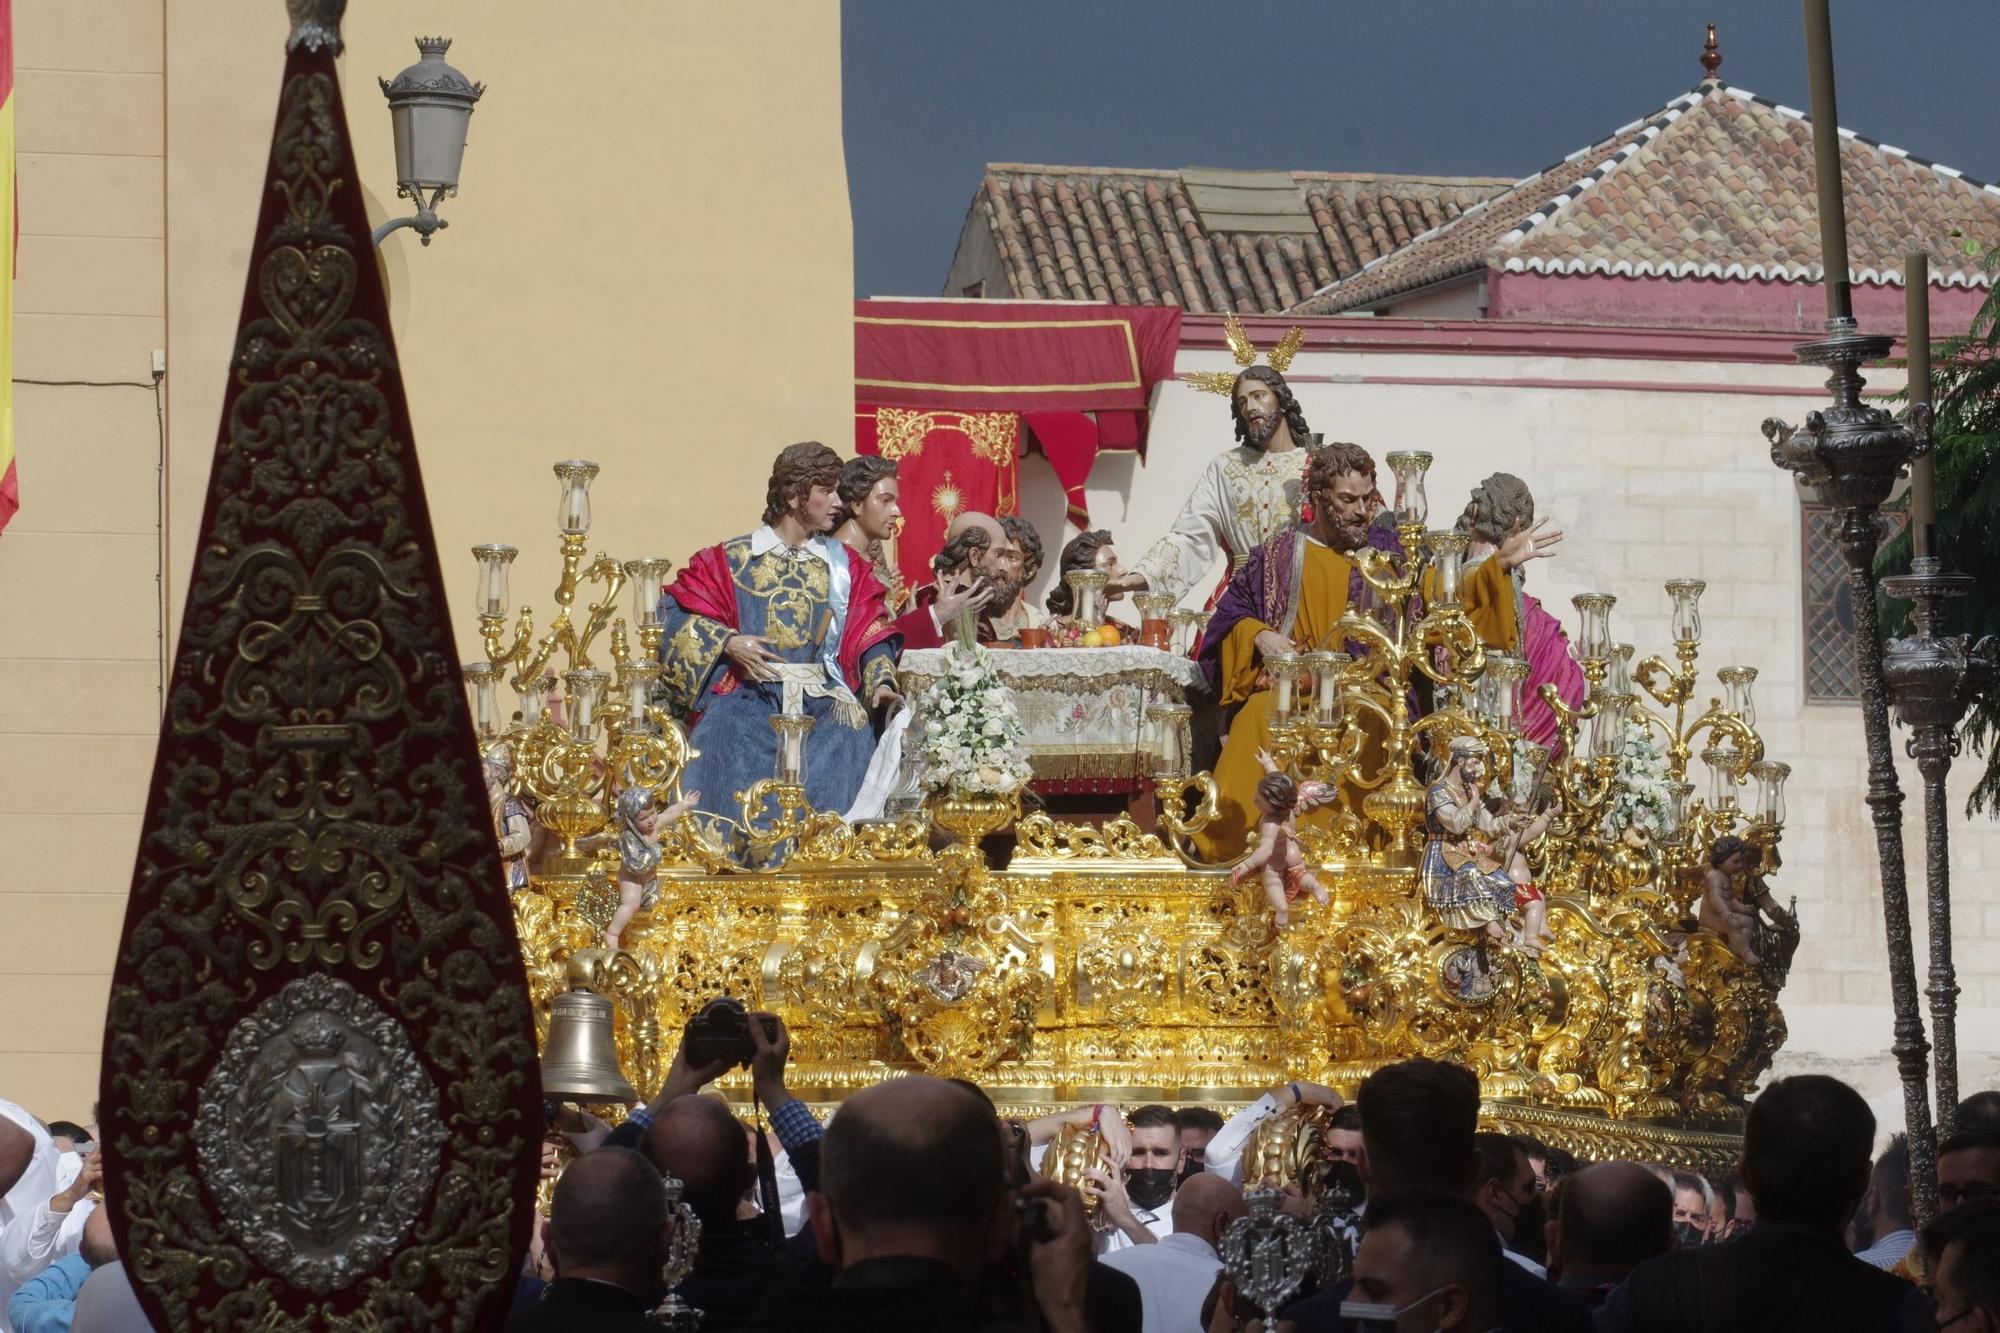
{"x":721,"y":1032}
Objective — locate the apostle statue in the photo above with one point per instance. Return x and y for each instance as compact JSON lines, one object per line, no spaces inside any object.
{"x":979,"y":570}
{"x":784,"y":619}
{"x":1248,"y":495}
{"x":1289,"y":596}
{"x":1009,"y":622}
{"x":1502,"y":507}
{"x":870,"y":511}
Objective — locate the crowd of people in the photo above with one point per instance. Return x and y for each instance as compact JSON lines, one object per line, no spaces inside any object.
{"x":919,"y":1204}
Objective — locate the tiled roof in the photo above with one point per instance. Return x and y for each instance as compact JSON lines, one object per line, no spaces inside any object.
{"x":1207,"y":241}
{"x":1717,"y":184}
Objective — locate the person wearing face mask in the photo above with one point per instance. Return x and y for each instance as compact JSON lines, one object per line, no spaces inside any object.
{"x":1198,"y":1125}
{"x":1690,"y":1209}
{"x":1418,"y":1122}
{"x":1806,"y":1148}
{"x":1428,"y":1263}
{"x":1137,"y":1206}
{"x":1614,"y":1216}
{"x":1505,"y":1188}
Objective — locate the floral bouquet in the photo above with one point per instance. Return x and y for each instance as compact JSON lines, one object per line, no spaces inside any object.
{"x":1643,"y":801}
{"x":972,"y":739}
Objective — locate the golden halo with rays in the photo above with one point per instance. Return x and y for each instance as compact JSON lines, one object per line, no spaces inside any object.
{"x":1245,"y":352}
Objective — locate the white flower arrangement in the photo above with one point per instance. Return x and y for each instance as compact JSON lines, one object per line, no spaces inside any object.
{"x":972,"y":739}
{"x":1643,"y":801}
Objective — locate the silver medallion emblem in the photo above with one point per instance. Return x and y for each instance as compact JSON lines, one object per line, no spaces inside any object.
{"x":319,"y":1133}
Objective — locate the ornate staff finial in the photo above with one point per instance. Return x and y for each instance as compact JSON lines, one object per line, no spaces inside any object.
{"x":315,"y":25}
{"x":1711,"y":55}
{"x":1245,"y":352}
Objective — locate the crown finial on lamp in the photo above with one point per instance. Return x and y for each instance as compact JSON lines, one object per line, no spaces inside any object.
{"x":1711,"y":55}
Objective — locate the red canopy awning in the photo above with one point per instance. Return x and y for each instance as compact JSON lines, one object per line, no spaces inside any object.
{"x":1078,"y":376}
{"x":973,"y":356}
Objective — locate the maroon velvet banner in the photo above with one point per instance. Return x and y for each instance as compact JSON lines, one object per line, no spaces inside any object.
{"x":1011,"y":356}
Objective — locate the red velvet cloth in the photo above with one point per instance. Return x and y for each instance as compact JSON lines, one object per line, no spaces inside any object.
{"x":942,"y":387}
{"x":1015,"y":357}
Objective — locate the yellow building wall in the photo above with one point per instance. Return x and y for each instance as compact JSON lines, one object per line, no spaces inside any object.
{"x":650,"y":266}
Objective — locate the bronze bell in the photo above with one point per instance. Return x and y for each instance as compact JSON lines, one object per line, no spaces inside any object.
{"x":580,"y":1056}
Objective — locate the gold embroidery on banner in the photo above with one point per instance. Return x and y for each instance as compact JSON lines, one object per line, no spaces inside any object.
{"x":994,"y":435}
{"x":899,"y":432}
{"x":308,"y":817}
{"x":947,"y":500}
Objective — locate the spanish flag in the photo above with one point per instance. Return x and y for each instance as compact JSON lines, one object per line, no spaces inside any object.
{"x":10,"y":483}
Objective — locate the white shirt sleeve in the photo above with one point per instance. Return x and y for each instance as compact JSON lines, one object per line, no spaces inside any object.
{"x":1225,"y":1150}
{"x":33,"y":1240}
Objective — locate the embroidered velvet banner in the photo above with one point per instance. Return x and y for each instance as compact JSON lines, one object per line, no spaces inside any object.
{"x":947,"y":463}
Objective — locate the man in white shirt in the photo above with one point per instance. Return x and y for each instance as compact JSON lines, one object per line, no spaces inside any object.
{"x":1224,"y":1155}
{"x":1886,"y":1208}
{"x":1175,"y":1275}
{"x":28,"y":1171}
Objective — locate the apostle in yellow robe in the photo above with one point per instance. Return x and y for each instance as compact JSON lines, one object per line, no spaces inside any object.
{"x":1289,"y":597}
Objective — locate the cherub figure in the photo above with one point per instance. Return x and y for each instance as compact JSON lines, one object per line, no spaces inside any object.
{"x":638,"y":827}
{"x":1522,"y":825}
{"x":513,"y":826}
{"x":1733,"y":916}
{"x":1280,"y":800}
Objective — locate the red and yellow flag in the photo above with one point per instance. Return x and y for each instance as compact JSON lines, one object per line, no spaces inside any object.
{"x":10,"y":483}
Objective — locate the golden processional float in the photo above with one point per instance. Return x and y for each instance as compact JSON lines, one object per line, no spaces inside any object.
{"x":1104,"y":962}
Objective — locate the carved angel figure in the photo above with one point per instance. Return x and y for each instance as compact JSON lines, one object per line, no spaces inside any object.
{"x":1280,"y":800}
{"x":637,"y":830}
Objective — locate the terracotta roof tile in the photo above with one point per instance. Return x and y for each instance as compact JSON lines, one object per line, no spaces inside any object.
{"x":1719,"y":183}
{"x":1081,"y":233}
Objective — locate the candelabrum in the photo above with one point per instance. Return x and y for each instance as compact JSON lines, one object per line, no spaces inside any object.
{"x":1185,"y":801}
{"x":1932,"y":679}
{"x":578,"y":736}
{"x":1621,"y":796}
{"x":1327,"y":703}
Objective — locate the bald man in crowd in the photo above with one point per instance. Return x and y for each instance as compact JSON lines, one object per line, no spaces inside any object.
{"x":912,"y":1209}
{"x":1175,"y":1274}
{"x":610,"y":1233}
{"x":1612,"y":1217}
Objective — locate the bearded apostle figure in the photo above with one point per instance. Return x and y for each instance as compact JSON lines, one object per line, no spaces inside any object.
{"x":1248,"y":495}
{"x":1289,"y":596}
{"x":786,"y":618}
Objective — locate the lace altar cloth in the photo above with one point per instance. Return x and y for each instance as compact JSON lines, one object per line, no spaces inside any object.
{"x":1086,"y":710}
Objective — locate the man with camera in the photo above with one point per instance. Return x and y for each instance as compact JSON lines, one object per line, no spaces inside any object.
{"x":698,"y":1140}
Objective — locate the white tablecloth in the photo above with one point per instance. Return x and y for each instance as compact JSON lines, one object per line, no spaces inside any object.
{"x":1085,"y":709}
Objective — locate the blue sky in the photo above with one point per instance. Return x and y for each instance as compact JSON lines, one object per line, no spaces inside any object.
{"x":933,"y":90}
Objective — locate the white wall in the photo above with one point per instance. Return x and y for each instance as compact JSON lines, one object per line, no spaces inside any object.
{"x":1648,"y":485}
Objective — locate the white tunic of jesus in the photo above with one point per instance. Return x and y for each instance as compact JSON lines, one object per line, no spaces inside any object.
{"x":1244,"y":498}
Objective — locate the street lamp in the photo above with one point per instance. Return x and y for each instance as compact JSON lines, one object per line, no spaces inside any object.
{"x":430,"y":104}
